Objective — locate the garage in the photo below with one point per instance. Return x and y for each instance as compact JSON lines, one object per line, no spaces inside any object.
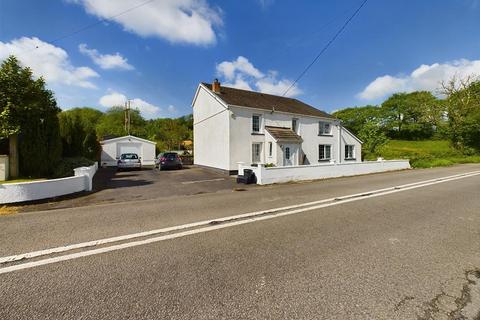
{"x":113,"y":148}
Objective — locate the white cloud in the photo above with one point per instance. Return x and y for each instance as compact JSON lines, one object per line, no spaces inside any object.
{"x":113,"y":98}
{"x":106,"y":61}
{"x":183,"y":21}
{"x":425,"y":77}
{"x":242,"y":74}
{"x":48,"y":61}
{"x":230,"y":68}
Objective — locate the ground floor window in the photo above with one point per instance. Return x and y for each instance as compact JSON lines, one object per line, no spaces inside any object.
{"x":349,"y":152}
{"x":287,"y":153}
{"x":270,"y":149}
{"x":256,"y":152}
{"x":324,"y":152}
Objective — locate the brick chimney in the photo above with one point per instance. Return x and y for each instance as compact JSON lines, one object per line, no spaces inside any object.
{"x":216,"y":86}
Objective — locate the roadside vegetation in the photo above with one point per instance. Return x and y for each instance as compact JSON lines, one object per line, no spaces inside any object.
{"x":428,"y":130}
{"x":50,"y":142}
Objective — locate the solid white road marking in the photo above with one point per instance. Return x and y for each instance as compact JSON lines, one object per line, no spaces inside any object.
{"x":200,"y":181}
{"x":250,"y":218}
{"x":87,"y":244}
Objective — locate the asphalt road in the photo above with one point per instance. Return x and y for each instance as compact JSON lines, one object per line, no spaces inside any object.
{"x":410,"y":254}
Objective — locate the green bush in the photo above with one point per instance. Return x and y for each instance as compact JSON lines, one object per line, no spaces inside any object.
{"x":65,"y":167}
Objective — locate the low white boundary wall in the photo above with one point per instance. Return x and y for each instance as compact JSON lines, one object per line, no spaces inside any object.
{"x":36,"y":190}
{"x":321,"y":171}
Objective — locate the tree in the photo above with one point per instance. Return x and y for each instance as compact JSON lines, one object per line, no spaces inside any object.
{"x":355,"y":118}
{"x":463,"y":112}
{"x":78,"y":132}
{"x":29,"y":111}
{"x":373,"y":137}
{"x":112,"y":123}
{"x":411,"y":116}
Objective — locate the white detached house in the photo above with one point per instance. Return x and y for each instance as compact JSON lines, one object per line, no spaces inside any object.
{"x":233,"y":125}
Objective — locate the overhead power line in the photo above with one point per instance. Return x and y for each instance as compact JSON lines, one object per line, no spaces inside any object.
{"x":329,"y":43}
{"x":89,"y":26}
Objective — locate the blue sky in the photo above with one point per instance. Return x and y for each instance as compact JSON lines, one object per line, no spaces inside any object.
{"x":157,"y":53}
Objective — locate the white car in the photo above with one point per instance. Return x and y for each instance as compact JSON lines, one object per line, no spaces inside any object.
{"x":129,"y":161}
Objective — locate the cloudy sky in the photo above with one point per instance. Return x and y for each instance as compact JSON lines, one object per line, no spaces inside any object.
{"x":98,"y":53}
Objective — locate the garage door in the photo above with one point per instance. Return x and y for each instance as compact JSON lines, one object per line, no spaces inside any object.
{"x":129,"y":148}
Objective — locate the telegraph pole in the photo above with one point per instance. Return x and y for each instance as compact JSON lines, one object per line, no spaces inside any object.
{"x":127,"y":117}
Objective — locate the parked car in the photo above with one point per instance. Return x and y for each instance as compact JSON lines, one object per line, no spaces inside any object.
{"x":169,"y":160}
{"x":129,"y":161}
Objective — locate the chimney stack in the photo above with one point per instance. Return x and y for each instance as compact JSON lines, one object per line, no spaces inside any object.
{"x":216,"y":86}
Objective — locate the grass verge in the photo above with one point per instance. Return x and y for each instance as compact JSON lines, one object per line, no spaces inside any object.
{"x":424,"y":154}
{"x":5,"y":210}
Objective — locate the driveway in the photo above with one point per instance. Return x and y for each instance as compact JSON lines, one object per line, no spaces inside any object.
{"x":112,"y":186}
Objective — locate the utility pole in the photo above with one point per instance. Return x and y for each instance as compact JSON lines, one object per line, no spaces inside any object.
{"x":127,"y":117}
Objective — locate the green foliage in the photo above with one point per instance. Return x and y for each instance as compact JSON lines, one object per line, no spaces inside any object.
{"x":78,"y":132}
{"x":64,"y":167}
{"x":170,"y":133}
{"x":112,"y":123}
{"x":28,"y":109}
{"x":373,"y":137}
{"x":463,"y":109}
{"x":411,"y":116}
{"x":355,"y":118}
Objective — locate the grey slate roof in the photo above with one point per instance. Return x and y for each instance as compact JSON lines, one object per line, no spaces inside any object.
{"x":265,"y":101}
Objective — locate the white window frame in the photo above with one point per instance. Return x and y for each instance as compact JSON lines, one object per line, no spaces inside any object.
{"x":322,"y":125}
{"x":349,"y":152}
{"x":325,"y":152}
{"x":254,"y":156}
{"x":259,"y":116}
{"x":295,"y":127}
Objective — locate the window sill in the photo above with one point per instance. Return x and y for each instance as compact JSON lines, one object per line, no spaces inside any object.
{"x":325,"y":135}
{"x":324,"y":160}
{"x":350,"y":159}
{"x":258,"y":134}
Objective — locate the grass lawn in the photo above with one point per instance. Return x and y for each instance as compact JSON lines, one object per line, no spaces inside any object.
{"x":20,"y":180}
{"x":425,"y":154}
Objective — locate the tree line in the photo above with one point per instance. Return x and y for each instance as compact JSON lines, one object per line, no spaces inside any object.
{"x":420,"y":115}
{"x":45,"y":141}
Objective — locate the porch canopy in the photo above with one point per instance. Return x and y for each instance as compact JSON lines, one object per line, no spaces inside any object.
{"x":284,"y":134}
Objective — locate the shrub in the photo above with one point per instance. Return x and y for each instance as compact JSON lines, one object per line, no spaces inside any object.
{"x":65,"y":166}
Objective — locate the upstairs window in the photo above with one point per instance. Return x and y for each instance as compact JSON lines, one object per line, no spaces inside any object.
{"x":295,"y":125}
{"x":256,"y":123}
{"x":324,"y":152}
{"x":324,"y":128}
{"x":349,"y":152}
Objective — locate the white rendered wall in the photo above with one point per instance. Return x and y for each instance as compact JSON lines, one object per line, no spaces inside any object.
{"x":241,"y":137}
{"x":36,"y":190}
{"x":210,"y":135}
{"x":322,"y":171}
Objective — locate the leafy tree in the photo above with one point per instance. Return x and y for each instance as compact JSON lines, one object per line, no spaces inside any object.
{"x":29,"y":111}
{"x":411,"y":116}
{"x":373,"y":137}
{"x":355,"y":118}
{"x":78,"y":132}
{"x":112,"y":123}
{"x":463,"y":112}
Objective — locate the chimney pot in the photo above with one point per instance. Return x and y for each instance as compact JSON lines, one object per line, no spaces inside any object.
{"x":216,"y":86}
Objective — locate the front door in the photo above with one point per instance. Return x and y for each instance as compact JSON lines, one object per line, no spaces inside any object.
{"x":290,"y":155}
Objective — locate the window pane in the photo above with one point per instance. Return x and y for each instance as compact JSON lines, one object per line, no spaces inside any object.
{"x":255,"y":123}
{"x":287,"y":153}
{"x":327,"y":152}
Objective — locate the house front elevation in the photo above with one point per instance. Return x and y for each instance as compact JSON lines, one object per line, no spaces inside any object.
{"x":233,"y":125}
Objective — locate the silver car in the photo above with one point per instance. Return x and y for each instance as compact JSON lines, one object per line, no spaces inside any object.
{"x":129,"y":161}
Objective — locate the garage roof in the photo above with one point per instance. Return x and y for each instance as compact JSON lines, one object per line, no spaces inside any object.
{"x":127,"y":137}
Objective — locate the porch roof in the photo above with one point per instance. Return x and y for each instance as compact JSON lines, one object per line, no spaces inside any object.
{"x":283,"y":134}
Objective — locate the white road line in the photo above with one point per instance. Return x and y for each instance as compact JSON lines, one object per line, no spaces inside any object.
{"x":200,"y":181}
{"x":212,"y":228}
{"x":337,"y":200}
